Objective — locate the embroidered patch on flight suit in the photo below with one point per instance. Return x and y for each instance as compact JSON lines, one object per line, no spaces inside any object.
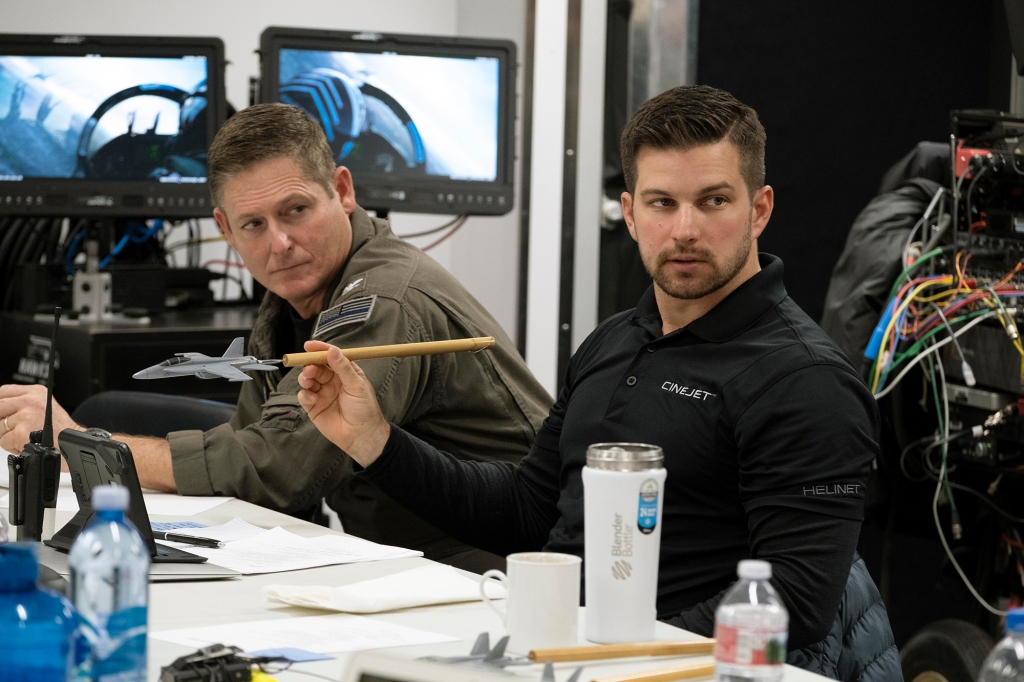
{"x":355,"y":284}
{"x":352,"y":311}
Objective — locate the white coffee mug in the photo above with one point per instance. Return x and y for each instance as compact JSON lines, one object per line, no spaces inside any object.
{"x":543,"y":600}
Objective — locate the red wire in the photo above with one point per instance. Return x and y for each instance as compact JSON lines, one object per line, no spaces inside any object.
{"x":1013,"y":543}
{"x":449,"y":234}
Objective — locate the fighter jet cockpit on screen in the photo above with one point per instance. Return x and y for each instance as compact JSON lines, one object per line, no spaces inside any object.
{"x":424,"y":123}
{"x":103,"y":118}
{"x":108,"y":122}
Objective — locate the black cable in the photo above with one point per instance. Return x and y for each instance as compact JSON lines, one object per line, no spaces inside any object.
{"x":967,"y":206}
{"x":932,"y":443}
{"x":8,"y":253}
{"x":984,"y":498}
{"x":956,"y":207}
{"x":434,"y":230}
{"x":53,"y":240}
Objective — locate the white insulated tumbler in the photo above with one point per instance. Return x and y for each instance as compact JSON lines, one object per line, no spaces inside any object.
{"x":623,"y":496}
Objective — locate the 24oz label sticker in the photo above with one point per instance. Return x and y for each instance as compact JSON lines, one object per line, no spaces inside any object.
{"x":647,"y":513}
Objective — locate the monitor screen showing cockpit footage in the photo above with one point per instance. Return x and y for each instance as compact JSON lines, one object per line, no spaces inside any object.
{"x":399,"y":114}
{"x":103,"y":118}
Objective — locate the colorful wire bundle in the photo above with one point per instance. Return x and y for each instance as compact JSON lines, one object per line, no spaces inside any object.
{"x":919,"y":308}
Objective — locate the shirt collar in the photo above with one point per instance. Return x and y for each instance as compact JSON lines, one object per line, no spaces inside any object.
{"x":734,"y":314}
{"x":364,"y":228}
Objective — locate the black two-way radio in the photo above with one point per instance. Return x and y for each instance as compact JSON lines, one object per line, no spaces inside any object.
{"x":35,"y":473}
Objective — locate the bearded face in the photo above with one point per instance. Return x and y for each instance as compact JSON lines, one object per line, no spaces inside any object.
{"x":690,"y":272}
{"x":695,"y":222}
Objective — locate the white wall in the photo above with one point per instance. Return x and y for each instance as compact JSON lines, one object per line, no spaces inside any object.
{"x":483,"y":255}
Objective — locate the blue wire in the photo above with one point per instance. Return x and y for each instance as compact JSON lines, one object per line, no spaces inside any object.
{"x":136,"y":232}
{"x":69,"y":258}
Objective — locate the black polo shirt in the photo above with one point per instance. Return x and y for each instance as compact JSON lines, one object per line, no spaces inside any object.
{"x":752,"y":403}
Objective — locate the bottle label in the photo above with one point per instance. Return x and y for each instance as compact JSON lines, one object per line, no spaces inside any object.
{"x":113,"y":649}
{"x":750,"y":646}
{"x":647,"y":513}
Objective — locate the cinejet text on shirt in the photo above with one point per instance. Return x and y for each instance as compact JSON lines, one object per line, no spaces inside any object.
{"x":686,"y":391}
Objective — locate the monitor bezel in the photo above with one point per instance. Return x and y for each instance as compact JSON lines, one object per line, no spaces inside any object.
{"x":130,"y":198}
{"x":378,"y":190}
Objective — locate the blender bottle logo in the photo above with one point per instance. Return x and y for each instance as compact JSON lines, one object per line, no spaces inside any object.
{"x":621,"y":570}
{"x":647,"y":513}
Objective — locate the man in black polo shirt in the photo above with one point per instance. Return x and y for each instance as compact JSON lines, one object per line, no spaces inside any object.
{"x":768,"y":432}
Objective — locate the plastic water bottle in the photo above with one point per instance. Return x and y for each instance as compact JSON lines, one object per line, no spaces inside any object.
{"x":35,"y":625}
{"x":751,"y":628}
{"x":109,"y":565}
{"x":5,"y":529}
{"x":1006,"y":662}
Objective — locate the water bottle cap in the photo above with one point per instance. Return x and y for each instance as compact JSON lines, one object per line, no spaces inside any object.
{"x":19,"y":563}
{"x":110,"y":498}
{"x":754,"y":569}
{"x":1015,"y":620}
{"x":625,"y":456}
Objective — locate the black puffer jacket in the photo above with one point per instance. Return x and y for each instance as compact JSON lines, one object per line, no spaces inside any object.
{"x":860,"y":646}
{"x":870,"y":263}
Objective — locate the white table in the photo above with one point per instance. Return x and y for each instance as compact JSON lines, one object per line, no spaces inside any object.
{"x":175,"y":605}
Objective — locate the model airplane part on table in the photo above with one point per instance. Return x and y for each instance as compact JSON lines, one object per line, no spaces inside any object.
{"x":230,"y":366}
{"x":495,"y":660}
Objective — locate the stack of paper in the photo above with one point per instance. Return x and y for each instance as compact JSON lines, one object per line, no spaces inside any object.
{"x":251,"y":550}
{"x":422,"y":586}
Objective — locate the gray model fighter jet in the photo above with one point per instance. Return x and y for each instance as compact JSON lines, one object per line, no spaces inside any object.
{"x":229,"y":366}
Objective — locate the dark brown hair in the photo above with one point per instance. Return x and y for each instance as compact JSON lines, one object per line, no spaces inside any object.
{"x":269,"y":131}
{"x":693,"y":116}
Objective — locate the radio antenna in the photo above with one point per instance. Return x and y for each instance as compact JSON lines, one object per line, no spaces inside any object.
{"x":47,"y":440}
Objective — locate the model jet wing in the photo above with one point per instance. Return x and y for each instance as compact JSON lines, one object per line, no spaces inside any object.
{"x":223,"y":370}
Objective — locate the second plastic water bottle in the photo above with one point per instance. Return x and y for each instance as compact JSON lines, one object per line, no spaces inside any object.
{"x":109,"y":565}
{"x":751,"y":628}
{"x":1006,"y":662}
{"x":35,"y":624}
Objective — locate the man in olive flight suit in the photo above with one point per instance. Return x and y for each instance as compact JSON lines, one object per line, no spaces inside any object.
{"x":337,"y":275}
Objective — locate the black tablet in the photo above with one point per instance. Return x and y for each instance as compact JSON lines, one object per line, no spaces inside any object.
{"x":93,"y":461}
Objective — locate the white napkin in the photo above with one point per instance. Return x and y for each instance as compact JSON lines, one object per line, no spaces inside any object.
{"x":422,"y":586}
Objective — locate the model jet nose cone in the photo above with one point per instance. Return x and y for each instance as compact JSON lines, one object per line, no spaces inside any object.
{"x":148,"y":373}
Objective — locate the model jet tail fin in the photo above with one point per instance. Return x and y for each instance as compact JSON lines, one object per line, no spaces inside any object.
{"x":236,"y":349}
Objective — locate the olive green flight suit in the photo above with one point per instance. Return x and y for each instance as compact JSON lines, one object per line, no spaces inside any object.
{"x":484,"y":406}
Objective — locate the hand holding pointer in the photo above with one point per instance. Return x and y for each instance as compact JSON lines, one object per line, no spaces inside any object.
{"x":342,"y":404}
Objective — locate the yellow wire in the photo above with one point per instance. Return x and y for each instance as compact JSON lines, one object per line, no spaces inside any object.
{"x":892,"y":323}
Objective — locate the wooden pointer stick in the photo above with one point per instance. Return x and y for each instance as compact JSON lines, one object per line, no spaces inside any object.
{"x":683,"y":672}
{"x":398,"y":350}
{"x":593,"y":653}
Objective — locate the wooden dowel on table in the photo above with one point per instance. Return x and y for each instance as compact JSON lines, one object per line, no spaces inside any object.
{"x":683,"y":672}
{"x":398,"y":350}
{"x":593,"y":653}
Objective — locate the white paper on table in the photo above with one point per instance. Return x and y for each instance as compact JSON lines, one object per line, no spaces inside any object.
{"x":423,"y":586}
{"x":232,"y":531}
{"x":277,"y":550}
{"x":156,"y":503}
{"x":320,"y":634}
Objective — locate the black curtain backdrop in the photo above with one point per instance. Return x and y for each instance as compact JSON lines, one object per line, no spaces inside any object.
{"x":844,"y":90}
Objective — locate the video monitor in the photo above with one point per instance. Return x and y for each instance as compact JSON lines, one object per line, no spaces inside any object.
{"x":113,"y":126}
{"x":425,"y":123}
